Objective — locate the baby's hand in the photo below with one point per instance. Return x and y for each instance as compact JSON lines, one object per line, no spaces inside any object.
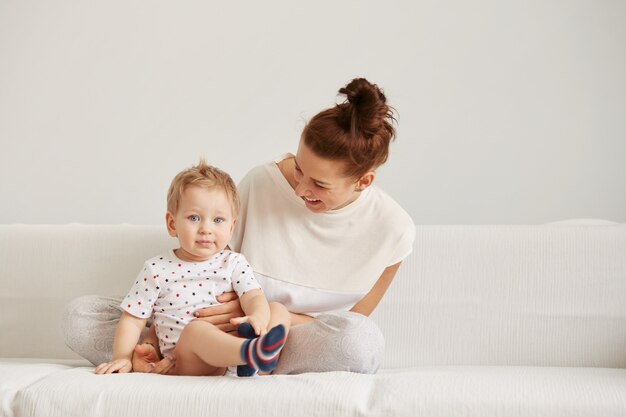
{"x":121,"y":366}
{"x":259,"y":325}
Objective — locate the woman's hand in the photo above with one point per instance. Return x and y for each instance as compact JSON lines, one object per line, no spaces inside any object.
{"x":220,"y":316}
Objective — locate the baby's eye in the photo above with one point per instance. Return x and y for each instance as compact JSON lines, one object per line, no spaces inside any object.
{"x":218,"y":220}
{"x":194,"y":218}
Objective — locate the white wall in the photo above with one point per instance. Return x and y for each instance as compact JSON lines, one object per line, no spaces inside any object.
{"x":509,"y":112}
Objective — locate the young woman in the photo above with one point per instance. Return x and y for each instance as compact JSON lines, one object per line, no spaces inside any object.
{"x":321,"y":238}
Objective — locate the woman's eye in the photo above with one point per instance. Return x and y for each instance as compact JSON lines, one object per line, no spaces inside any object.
{"x":194,"y":218}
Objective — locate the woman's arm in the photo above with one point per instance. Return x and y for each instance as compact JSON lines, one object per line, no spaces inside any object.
{"x":220,"y":315}
{"x":297,"y":319}
{"x":368,"y":303}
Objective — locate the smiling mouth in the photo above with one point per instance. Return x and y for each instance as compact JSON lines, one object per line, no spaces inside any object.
{"x":311,"y":200}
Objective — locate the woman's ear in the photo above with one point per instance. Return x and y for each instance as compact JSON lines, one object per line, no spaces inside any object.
{"x":171,"y":224}
{"x":365,"y":181}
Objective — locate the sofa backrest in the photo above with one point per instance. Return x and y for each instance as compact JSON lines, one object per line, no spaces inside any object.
{"x":543,"y":295}
{"x":44,"y":267}
{"x":552,"y":295}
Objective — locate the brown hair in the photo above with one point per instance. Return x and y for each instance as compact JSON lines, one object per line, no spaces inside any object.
{"x":357,"y":131}
{"x":204,"y":176}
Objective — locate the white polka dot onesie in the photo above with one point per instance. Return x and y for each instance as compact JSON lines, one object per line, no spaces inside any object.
{"x":173,"y":290}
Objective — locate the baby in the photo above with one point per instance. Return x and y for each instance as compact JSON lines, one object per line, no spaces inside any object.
{"x":202,"y":208}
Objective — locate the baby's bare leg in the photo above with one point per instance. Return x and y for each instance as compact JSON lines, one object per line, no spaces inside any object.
{"x":203,"y":349}
{"x":279,"y":315}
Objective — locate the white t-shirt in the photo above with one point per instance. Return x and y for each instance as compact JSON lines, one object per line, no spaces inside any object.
{"x":173,"y":290}
{"x":317,"y":262}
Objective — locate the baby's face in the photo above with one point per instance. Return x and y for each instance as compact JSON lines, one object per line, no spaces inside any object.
{"x":203,"y":224}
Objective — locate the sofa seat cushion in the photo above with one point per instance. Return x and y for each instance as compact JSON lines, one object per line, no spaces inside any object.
{"x":16,"y":375}
{"x":432,"y":391}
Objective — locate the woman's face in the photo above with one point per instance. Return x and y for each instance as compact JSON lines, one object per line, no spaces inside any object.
{"x":321,"y":184}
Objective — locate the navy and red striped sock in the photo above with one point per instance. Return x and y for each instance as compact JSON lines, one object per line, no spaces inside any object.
{"x":262,"y":352}
{"x":246,"y":330}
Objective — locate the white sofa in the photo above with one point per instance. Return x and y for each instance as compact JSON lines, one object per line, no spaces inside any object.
{"x":481,"y":321}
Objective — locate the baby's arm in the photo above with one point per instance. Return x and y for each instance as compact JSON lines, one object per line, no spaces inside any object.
{"x":256,"y":309}
{"x":126,"y":336}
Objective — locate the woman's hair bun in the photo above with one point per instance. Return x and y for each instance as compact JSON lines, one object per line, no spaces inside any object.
{"x":356,"y":131}
{"x":366,"y":108}
{"x":359,"y":90}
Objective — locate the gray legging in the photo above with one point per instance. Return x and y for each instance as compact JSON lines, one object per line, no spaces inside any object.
{"x":342,"y":341}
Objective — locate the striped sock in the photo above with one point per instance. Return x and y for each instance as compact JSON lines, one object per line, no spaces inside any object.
{"x":245,"y":330}
{"x":262,"y":352}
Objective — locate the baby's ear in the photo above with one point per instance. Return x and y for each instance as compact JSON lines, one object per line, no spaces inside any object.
{"x":170,"y":224}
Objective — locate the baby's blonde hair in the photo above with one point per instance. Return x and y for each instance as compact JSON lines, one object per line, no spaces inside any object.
{"x":204,"y":176}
